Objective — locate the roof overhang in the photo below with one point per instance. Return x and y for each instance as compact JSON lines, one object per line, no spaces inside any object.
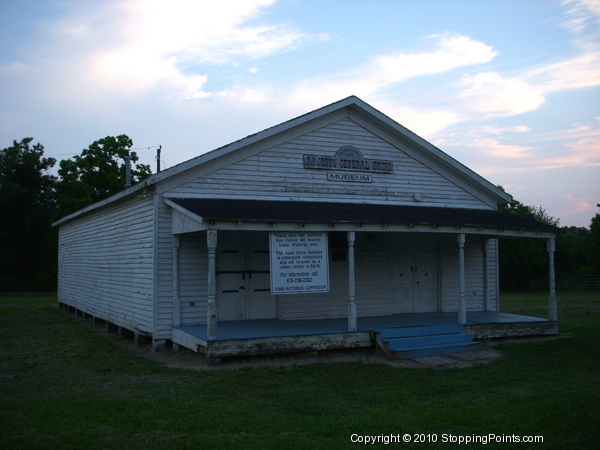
{"x":274,"y":215}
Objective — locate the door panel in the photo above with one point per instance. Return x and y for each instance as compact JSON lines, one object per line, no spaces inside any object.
{"x":414,"y":277}
{"x":425,"y":274}
{"x":243,"y":277}
{"x":260,"y":303}
{"x":402,"y":276}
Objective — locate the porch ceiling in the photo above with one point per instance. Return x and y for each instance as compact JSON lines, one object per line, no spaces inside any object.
{"x":352,"y":213}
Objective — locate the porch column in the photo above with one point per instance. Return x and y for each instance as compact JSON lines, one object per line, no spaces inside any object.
{"x":462,"y":306}
{"x":351,"y":283}
{"x":176,"y":299}
{"x":552,"y":304}
{"x":486,"y":273}
{"x":211,"y":313}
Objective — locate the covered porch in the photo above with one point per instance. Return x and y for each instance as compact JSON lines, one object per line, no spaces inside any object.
{"x":222,"y":337}
{"x":267,"y":336}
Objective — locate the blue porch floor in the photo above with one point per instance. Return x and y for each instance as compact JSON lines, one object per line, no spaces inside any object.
{"x":270,"y":328}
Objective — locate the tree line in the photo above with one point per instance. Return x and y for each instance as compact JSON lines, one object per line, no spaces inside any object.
{"x":31,"y":199}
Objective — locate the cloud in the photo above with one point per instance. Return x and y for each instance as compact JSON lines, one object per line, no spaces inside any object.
{"x":130,"y":47}
{"x":580,"y":15}
{"x":370,"y":79}
{"x":493,"y":95}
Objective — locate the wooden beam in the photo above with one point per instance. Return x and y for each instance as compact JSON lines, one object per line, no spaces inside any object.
{"x":462,"y":306}
{"x":351,"y":283}
{"x":176,"y":299}
{"x":211,"y":318}
{"x":486,"y":274}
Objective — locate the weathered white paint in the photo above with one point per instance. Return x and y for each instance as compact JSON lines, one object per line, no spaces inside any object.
{"x":176,"y":299}
{"x":486,"y":273}
{"x":462,"y":307}
{"x":106,"y":264}
{"x":211,"y":324}
{"x":119,"y":259}
{"x":278,"y":173}
{"x":351,"y":283}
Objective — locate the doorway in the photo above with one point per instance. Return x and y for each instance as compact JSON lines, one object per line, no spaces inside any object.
{"x":414,"y":273}
{"x":243,"y":276}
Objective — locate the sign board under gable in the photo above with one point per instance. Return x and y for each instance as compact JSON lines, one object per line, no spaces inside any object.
{"x":348,"y":158}
{"x":299,"y":263}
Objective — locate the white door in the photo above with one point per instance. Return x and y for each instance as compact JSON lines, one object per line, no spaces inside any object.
{"x":243,"y":277}
{"x":414,"y":276}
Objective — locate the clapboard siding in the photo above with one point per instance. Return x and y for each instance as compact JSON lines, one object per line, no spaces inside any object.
{"x":164,"y":275}
{"x":106,"y":264}
{"x":193,"y":275}
{"x":278,"y":172}
{"x":373,"y":285}
{"x":474,"y":273}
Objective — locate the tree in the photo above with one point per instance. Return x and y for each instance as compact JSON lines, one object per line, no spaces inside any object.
{"x":524,"y":262}
{"x":97,"y":173}
{"x":593,"y":244}
{"x":28,"y":204}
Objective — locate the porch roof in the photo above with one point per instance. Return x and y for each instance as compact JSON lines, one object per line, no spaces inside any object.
{"x":210,"y":209}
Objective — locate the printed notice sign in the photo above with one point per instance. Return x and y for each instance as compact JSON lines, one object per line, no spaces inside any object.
{"x":299,"y":263}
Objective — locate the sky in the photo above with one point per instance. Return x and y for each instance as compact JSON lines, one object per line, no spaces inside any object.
{"x":510,"y":88}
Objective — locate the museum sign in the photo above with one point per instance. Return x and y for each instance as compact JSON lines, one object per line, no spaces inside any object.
{"x":348,"y":158}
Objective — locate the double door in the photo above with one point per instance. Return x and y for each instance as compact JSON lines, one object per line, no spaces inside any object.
{"x":414,"y":273}
{"x":243,"y":276}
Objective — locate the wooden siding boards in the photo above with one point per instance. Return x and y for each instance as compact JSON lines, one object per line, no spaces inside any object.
{"x":278,"y":173}
{"x":106,"y":264}
{"x":164,"y":272}
{"x":116,"y":257}
{"x":193,"y":284}
{"x":474,"y":273}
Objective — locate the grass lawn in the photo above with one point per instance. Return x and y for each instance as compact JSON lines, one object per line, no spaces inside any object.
{"x":64,"y":386}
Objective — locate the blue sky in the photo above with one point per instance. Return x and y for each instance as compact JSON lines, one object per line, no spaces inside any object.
{"x":510,"y":88}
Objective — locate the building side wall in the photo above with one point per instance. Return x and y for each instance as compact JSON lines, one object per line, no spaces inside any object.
{"x":164,"y":275}
{"x":105,"y":264}
{"x":278,"y":173}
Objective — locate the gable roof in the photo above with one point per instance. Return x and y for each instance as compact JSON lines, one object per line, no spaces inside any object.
{"x":353,"y":105}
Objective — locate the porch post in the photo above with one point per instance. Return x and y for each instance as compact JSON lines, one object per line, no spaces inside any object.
{"x":176,"y":300}
{"x":211,"y":313}
{"x":552,"y":304}
{"x":486,"y":274}
{"x":462,"y":307}
{"x":351,"y":283}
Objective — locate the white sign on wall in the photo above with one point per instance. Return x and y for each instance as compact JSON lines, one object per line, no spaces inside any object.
{"x":299,"y":263}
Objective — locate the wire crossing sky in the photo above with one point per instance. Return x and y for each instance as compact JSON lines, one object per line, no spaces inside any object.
{"x":509,"y":88}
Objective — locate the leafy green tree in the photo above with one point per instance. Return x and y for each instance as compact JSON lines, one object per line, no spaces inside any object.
{"x":593,"y":244}
{"x":97,"y":173}
{"x":524,"y":262}
{"x":28,"y":204}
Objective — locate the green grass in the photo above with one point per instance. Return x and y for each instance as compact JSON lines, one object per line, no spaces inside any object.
{"x":62,"y":385}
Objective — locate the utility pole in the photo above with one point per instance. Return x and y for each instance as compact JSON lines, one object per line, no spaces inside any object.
{"x":158,"y":158}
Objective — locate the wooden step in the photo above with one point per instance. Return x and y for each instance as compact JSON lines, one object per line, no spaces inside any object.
{"x":442,"y":349}
{"x":396,"y":344}
{"x":414,"y":342}
{"x":420,"y":331}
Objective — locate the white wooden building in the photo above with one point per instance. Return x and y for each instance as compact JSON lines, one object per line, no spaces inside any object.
{"x":339,"y":216}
